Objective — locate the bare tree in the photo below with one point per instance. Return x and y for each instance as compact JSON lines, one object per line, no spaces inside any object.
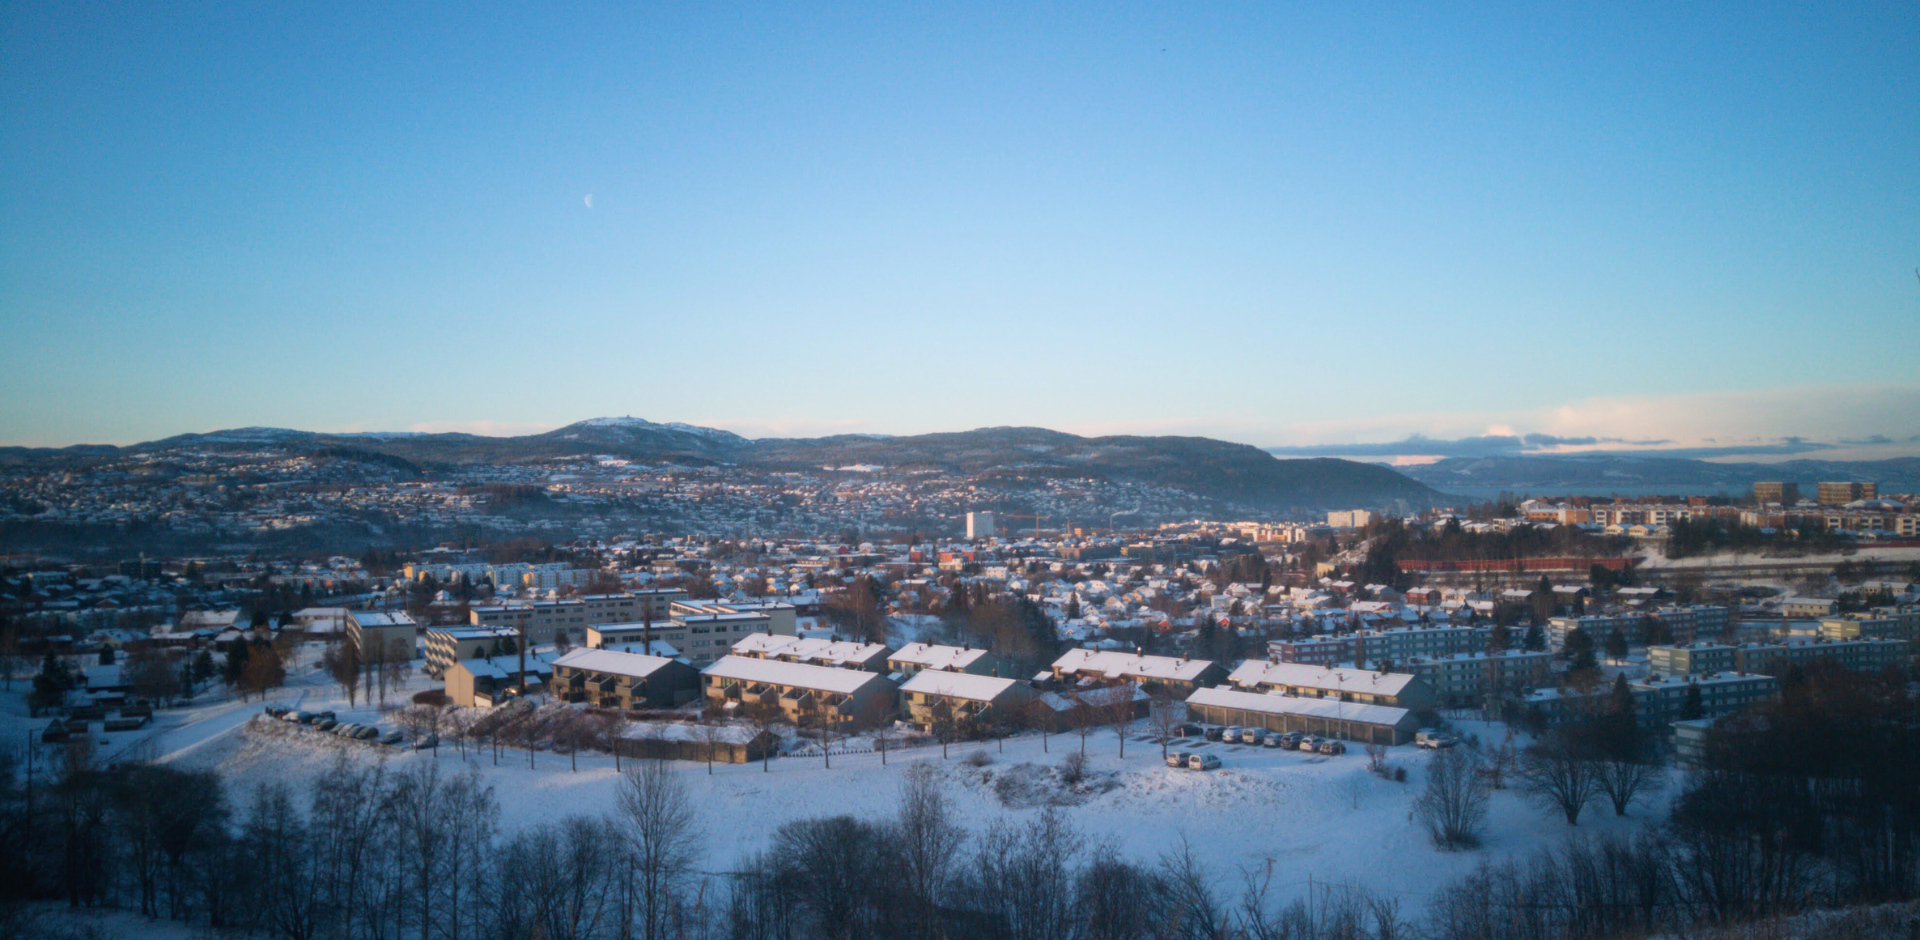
{"x":1117,"y":713}
{"x":1083,"y":717}
{"x":419,"y":721}
{"x":152,"y":675}
{"x":341,"y":661}
{"x":662,"y":842}
{"x":1453,"y":806}
{"x":767,"y":719}
{"x":713,"y":734}
{"x":929,"y":841}
{"x":883,"y":737}
{"x":1553,"y":772}
{"x":1628,"y":766}
{"x":1164,"y":718}
{"x":397,"y":668}
{"x":1501,"y":759}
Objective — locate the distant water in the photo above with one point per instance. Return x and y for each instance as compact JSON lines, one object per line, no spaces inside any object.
{"x":1670,"y":489}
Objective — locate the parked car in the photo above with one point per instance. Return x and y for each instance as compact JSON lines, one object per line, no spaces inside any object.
{"x":1310,"y":743}
{"x":1187,"y":731}
{"x":1274,"y":740}
{"x":323,"y":724}
{"x":1178,"y":759}
{"x":1333,"y":748}
{"x":1291,"y":740}
{"x":1434,"y":740}
{"x":431,"y":740}
{"x":276,"y":710}
{"x":1253,"y":736}
{"x":1232,"y":734}
{"x":1214,"y":732}
{"x":1203,"y":762}
{"x":390,"y":738}
{"x":364,"y":733}
{"x":345,"y":729}
{"x":305,"y":718}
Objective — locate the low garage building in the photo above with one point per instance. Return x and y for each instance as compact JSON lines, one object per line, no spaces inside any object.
{"x":1331,"y":718}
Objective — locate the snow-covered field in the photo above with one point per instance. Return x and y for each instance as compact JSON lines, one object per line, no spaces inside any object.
{"x":1313,"y":819}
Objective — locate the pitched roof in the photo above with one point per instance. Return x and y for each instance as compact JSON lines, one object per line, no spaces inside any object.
{"x":809,"y":649}
{"x":799,"y":675}
{"x":958,"y":685}
{"x":612,"y":662}
{"x":1115,"y":664}
{"x":1253,"y":672}
{"x":937,"y":657}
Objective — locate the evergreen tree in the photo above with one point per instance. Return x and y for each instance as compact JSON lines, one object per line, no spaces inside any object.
{"x":236,"y":667}
{"x":1616,"y":643}
{"x":1073,"y":607}
{"x":1536,"y":640}
{"x":51,"y":684}
{"x":203,"y":667}
{"x":1621,"y":701}
{"x":1500,"y":638}
{"x":1579,"y":649}
{"x":1691,"y":706}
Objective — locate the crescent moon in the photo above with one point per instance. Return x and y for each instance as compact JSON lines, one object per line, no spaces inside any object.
{"x":589,"y":200}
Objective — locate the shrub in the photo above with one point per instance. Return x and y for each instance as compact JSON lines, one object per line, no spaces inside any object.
{"x":1073,"y":768}
{"x":434,"y":697}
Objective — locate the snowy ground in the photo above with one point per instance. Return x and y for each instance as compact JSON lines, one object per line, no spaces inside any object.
{"x":1324,"y":819}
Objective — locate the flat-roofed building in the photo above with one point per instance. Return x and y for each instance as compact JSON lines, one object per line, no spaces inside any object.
{"x":935,"y":695}
{"x":448,"y":645}
{"x":1331,"y":718}
{"x":383,"y":635}
{"x":1691,"y":659}
{"x":709,"y":636}
{"x":1658,"y":699}
{"x":1595,"y":627}
{"x":1806,"y":606}
{"x":1465,"y":679}
{"x":1842,"y":493}
{"x":544,"y":620}
{"x":804,"y":693}
{"x":781,"y":618}
{"x":1397,"y":643}
{"x":1399,"y":689}
{"x":1859,"y":655}
{"x":1312,"y":650}
{"x":611,"y":679}
{"x":1177,"y":674}
{"x":1881,"y":624}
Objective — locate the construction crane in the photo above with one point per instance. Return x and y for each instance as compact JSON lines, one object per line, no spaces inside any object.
{"x":1036,"y":520}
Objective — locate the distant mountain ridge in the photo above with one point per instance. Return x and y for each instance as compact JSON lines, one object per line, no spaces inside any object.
{"x":1211,"y":468}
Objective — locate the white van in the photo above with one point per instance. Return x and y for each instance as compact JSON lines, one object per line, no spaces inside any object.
{"x":1203,"y":762}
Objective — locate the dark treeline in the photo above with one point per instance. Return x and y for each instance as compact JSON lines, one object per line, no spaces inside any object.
{"x":1811,"y":801}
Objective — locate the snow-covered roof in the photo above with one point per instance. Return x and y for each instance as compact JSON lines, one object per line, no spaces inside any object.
{"x":958,"y":685}
{"x":1116,"y":664}
{"x":808,"y":649}
{"x":937,"y":657}
{"x":612,"y":662}
{"x":381,"y":618}
{"x":800,"y":675}
{"x":504,"y":666}
{"x":1271,"y":703}
{"x":1253,"y":672}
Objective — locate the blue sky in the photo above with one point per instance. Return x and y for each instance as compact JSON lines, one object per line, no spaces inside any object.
{"x":1282,"y":224}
